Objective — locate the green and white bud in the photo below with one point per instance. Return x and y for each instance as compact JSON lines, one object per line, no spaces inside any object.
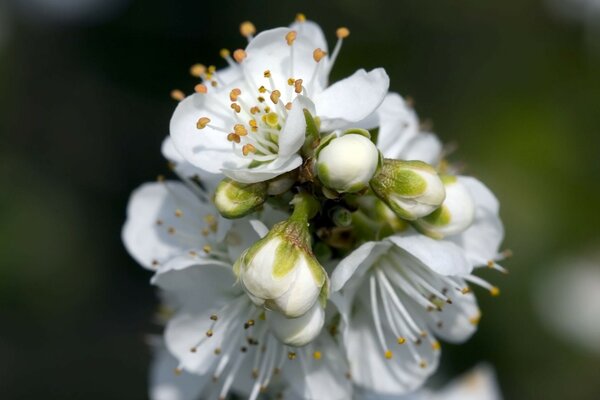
{"x":298,"y":331}
{"x":235,"y":200}
{"x":347,"y":163}
{"x":412,"y":189}
{"x":280,"y":271}
{"x":454,"y":216}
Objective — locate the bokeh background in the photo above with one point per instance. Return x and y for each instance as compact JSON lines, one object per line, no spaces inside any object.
{"x":84,"y":106}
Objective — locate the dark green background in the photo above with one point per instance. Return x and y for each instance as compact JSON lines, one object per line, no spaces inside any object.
{"x":84,"y":106}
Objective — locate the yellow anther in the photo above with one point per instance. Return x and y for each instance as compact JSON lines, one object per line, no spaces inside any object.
{"x":193,"y":349}
{"x":388,"y":354}
{"x":200,"y":88}
{"x":224,"y":53}
{"x":171,"y":230}
{"x":465,"y":290}
{"x":317,"y":355}
{"x":202,"y":122}
{"x":494,"y":291}
{"x":423,"y":364}
{"x":474,"y":320}
{"x":267,"y":109}
{"x":214,"y":83}
{"x":291,"y":81}
{"x":178,"y":371}
{"x":288,"y":106}
{"x":240,"y":130}
{"x":342,"y":33}
{"x":212,"y":69}
{"x":300,"y":17}
{"x":239,"y":55}
{"x":267,"y":74}
{"x":247,"y":28}
{"x":197,"y":70}
{"x":254,"y":110}
{"x":275,"y":95}
{"x":318,"y":54}
{"x":177,"y":95}
{"x":232,"y":137}
{"x":234,"y":94}
{"x":490,"y":264}
{"x":207,"y":249}
{"x":290,"y":37}
{"x":236,"y":107}
{"x":209,"y":333}
{"x":262,"y":316}
{"x":272,"y":119}
{"x":291,"y":355}
{"x":214,"y":317}
{"x":436,"y":345}
{"x":178,"y":213}
{"x":217,"y":351}
{"x":401,"y":340}
{"x":260,"y":99}
{"x":252,"y":123}
{"x":160,"y":178}
{"x":298,"y":86}
{"x":262,"y":89}
{"x":248,"y":148}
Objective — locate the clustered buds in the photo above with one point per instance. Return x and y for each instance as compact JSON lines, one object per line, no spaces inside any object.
{"x":235,"y":200}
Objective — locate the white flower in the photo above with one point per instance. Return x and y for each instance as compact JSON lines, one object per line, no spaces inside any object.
{"x":347,"y":163}
{"x":248,"y":120}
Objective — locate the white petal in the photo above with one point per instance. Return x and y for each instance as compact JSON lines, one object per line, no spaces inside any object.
{"x":165,"y":384}
{"x":297,"y":331}
{"x":351,"y":99}
{"x":424,"y":146}
{"x":442,"y":257}
{"x":151,"y":213}
{"x":312,"y":33}
{"x":264,"y":171}
{"x":482,"y":240}
{"x":292,"y":136}
{"x":478,"y":384}
{"x":398,"y":124}
{"x":363,"y":257}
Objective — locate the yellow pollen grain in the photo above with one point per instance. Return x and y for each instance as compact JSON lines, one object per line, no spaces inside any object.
{"x":342,"y":32}
{"x":291,"y":355}
{"x":300,"y":17}
{"x":465,"y":290}
{"x":267,"y":74}
{"x":254,"y":110}
{"x":495,"y":291}
{"x":212,"y":69}
{"x":436,"y":345}
{"x":239,"y":55}
{"x":272,"y":119}
{"x":207,"y":249}
{"x":209,"y":333}
{"x":290,"y":37}
{"x":267,"y":109}
{"x":275,"y":95}
{"x":260,"y":99}
{"x":240,"y":130}
{"x":317,"y":355}
{"x":474,"y":320}
{"x":197,"y":70}
{"x":298,"y":86}
{"x":318,"y":54}
{"x":236,"y":107}
{"x":291,"y":81}
{"x":490,"y":264}
{"x":288,"y":106}
{"x":214,"y":84}
{"x":234,"y":94}
{"x":247,"y":28}
{"x":248,"y":148}
{"x":200,"y":88}
{"x":253,"y":123}
{"x":262,"y":316}
{"x":171,"y":231}
{"x":388,"y":354}
{"x":232,"y":137}
{"x":177,"y":95}
{"x":214,"y":317}
{"x":401,"y":340}
{"x":224,"y":53}
{"x":262,"y":90}
{"x":423,"y":364}
{"x":217,"y":351}
{"x":178,"y":213}
{"x":202,"y":122}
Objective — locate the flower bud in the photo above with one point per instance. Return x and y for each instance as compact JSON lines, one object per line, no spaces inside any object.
{"x":298,"y":331}
{"x":280,"y":271}
{"x":235,"y":200}
{"x":454,"y":216}
{"x":412,"y":189}
{"x":347,"y":163}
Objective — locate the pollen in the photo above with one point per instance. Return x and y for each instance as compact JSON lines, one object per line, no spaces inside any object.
{"x":275,"y":95}
{"x":290,"y":37}
{"x":178,"y":213}
{"x":318,"y":54}
{"x":401,"y":340}
{"x":388,"y":354}
{"x":200,"y":88}
{"x":240,"y":130}
{"x":239,"y":55}
{"x":234,"y":94}
{"x":202,"y":122}
{"x":232,"y":137}
{"x":436,"y":345}
{"x":171,"y":230}
{"x":224,"y":53}
{"x":236,"y":107}
{"x":272,"y":119}
{"x":212,"y":69}
{"x":207,"y":249}
{"x":217,"y":351}
{"x":317,"y":355}
{"x":177,"y":95}
{"x":214,"y":317}
{"x":267,"y":74}
{"x":465,"y":290}
{"x":254,"y":110}
{"x":291,"y":355}
{"x":247,"y":149}
{"x":494,"y":291}
{"x":288,"y":106}
{"x":262,"y":90}
{"x":474,"y":320}
{"x":209,"y":333}
{"x":298,"y":86}
{"x":247,"y":29}
{"x":197,"y":70}
{"x":300,"y":17}
{"x":291,"y":81}
{"x":253,"y":123}
{"x":423,"y":364}
{"x":342,"y":33}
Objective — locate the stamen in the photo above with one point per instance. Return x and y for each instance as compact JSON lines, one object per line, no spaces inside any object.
{"x":318,"y":54}
{"x":197,"y":70}
{"x":342,"y":32}
{"x":177,"y":95}
{"x":239,"y":55}
{"x":224,"y":53}
{"x":300,"y":17}
{"x":240,"y":130}
{"x":290,"y":37}
{"x":200,"y":88}
{"x":317,"y":355}
{"x":298,"y":86}
{"x":232,"y":137}
{"x":248,"y":148}
{"x":234,"y":94}
{"x":275,"y":95}
{"x":236,"y":107}
{"x":202,"y":122}
{"x":247,"y":29}
{"x":494,"y":291}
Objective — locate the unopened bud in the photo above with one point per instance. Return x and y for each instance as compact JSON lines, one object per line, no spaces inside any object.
{"x":347,"y":163}
{"x":412,"y":189}
{"x":280,"y":271}
{"x":235,"y":200}
{"x":454,"y":216}
{"x":298,"y":331}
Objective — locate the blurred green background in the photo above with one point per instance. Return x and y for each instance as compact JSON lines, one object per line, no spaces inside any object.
{"x":84,"y":106}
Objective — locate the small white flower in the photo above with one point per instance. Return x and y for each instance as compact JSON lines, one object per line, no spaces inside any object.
{"x":248,"y":120}
{"x":346,"y":164}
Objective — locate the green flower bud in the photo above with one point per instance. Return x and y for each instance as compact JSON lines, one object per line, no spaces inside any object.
{"x":454,"y":216}
{"x":412,"y":189}
{"x":235,"y":200}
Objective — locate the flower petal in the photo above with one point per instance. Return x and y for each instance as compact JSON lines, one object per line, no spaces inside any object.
{"x":478,"y":384}
{"x":362,"y":257}
{"x":352,"y":99}
{"x":153,"y":233}
{"x":265,"y":171}
{"x":293,"y":134}
{"x":442,"y":257}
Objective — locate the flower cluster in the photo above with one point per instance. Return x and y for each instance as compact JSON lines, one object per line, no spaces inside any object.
{"x":317,"y":242}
